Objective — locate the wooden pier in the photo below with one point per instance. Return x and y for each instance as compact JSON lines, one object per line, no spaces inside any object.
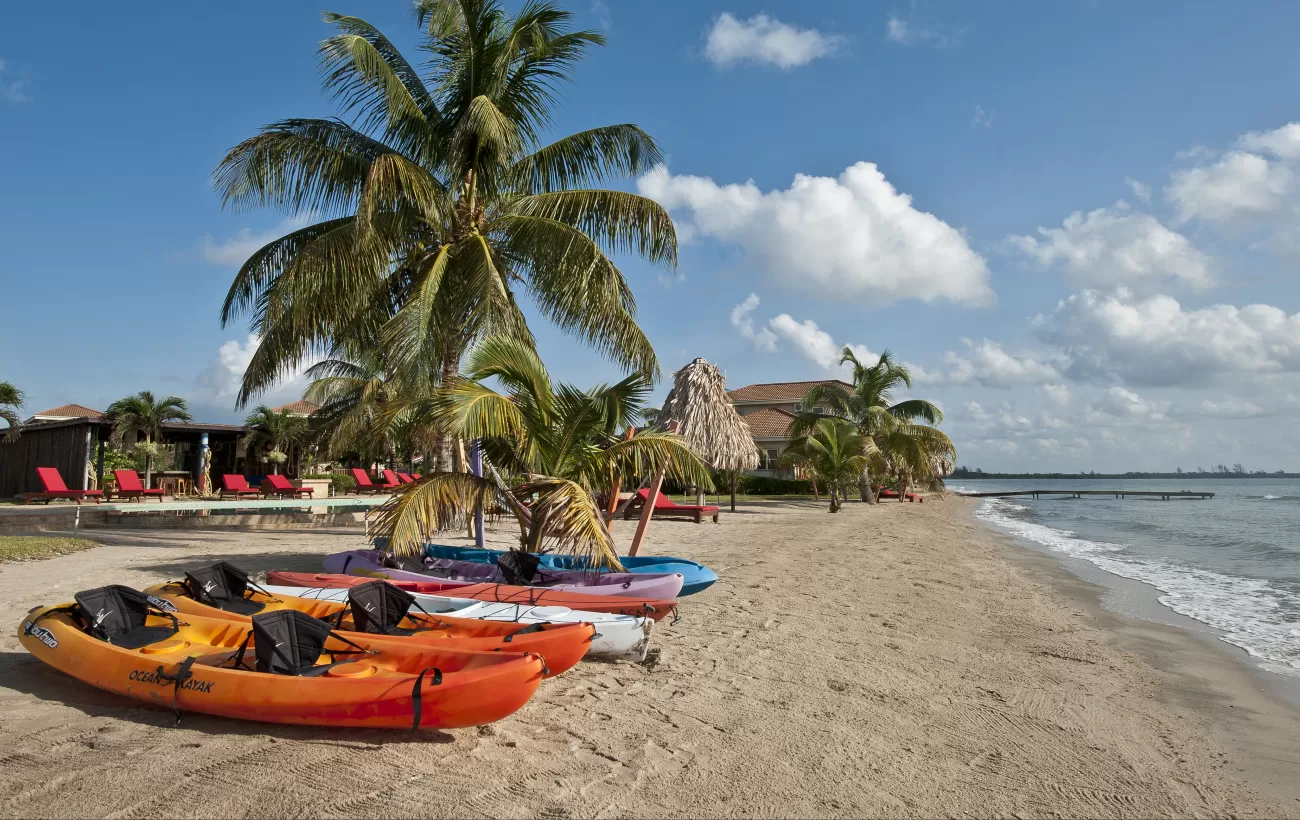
{"x":1161,"y":494}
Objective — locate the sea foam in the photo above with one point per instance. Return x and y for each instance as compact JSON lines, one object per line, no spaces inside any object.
{"x":1252,"y":613}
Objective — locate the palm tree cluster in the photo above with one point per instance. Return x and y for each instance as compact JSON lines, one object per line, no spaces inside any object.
{"x":436,"y":210}
{"x":437,"y":206}
{"x":144,"y":416}
{"x":891,"y":439}
{"x":271,"y":434}
{"x":552,"y":451}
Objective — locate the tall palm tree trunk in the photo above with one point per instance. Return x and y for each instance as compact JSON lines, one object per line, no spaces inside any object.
{"x":864,"y":487}
{"x":450,"y":369}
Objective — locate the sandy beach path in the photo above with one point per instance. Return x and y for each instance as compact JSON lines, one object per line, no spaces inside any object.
{"x":885,"y":661}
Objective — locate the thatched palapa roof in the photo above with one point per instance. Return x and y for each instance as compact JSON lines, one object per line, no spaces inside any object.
{"x":706,"y":418}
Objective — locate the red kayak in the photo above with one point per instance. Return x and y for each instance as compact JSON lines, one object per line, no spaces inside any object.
{"x":501,"y":593}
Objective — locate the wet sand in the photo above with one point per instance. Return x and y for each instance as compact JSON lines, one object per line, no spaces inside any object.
{"x":899,"y":660}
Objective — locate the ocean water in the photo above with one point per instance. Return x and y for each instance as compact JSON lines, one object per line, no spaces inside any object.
{"x":1231,"y":562}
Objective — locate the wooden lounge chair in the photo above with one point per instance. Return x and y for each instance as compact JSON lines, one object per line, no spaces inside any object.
{"x":406,"y":478}
{"x":665,"y":507}
{"x":130,"y":486}
{"x":278,"y":485}
{"x":55,"y":488}
{"x":365,"y":485}
{"x":236,"y":486}
{"x":391,"y":479}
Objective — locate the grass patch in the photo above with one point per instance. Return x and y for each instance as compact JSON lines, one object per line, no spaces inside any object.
{"x":34,"y":547}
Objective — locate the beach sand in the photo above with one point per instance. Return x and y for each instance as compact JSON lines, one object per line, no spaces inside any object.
{"x":899,"y":660}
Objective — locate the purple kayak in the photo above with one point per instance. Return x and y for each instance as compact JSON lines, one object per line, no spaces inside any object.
{"x":626,"y":584}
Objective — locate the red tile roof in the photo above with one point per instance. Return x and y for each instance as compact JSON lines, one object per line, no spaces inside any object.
{"x":300,"y":407}
{"x":768,"y":423}
{"x":778,"y":391}
{"x":68,"y":411}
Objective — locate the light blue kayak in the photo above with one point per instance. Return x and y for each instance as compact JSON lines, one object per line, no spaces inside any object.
{"x":697,"y":577}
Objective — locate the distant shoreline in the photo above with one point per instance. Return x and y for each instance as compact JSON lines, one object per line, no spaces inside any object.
{"x":976,"y":476}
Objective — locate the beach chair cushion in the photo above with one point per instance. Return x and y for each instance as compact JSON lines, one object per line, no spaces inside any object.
{"x":281,"y":484}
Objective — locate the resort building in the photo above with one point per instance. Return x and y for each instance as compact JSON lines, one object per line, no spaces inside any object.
{"x":302,"y":407}
{"x":768,"y":409}
{"x":64,"y":412}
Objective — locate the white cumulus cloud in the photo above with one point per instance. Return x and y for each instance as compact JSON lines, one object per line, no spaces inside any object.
{"x":1140,"y":190}
{"x":1118,"y":246}
{"x":742,"y":320}
{"x":990,"y":364}
{"x":1155,"y":341}
{"x":854,"y":236}
{"x":805,"y":338}
{"x":765,"y":40}
{"x":217,"y":385}
{"x":1257,"y":181}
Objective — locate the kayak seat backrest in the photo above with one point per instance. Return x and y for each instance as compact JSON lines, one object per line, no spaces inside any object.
{"x":288,"y":642}
{"x":117,"y":614}
{"x":378,"y":607}
{"x":518,"y":568}
{"x":222,"y":585}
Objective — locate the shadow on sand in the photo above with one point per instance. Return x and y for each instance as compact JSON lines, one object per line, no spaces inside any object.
{"x":250,"y":562}
{"x":21,"y":672}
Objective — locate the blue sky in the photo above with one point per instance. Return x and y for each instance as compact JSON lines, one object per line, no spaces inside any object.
{"x":941,"y":151}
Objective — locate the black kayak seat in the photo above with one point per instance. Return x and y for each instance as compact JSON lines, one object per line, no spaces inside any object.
{"x":289,"y":642}
{"x":223,"y":586}
{"x":378,"y":607}
{"x":519,"y":568}
{"x":118,"y":615}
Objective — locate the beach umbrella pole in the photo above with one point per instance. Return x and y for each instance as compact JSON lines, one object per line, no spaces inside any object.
{"x":652,"y":498}
{"x":476,"y":467}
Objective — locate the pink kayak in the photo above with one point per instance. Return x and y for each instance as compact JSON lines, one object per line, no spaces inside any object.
{"x":624,"y":584}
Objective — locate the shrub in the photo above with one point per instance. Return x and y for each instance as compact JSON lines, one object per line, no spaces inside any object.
{"x":343,"y":483}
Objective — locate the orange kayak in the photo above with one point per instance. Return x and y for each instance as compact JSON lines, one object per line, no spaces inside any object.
{"x":500,"y":593}
{"x":561,"y":646}
{"x":198,"y":664}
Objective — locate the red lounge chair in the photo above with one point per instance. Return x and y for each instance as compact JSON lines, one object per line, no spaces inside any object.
{"x":665,"y":507}
{"x":391,"y":479}
{"x":406,"y":478}
{"x":129,"y":486}
{"x":237,"y":486}
{"x":365,"y":485}
{"x":891,"y":494}
{"x":279,"y":485}
{"x":55,"y":488}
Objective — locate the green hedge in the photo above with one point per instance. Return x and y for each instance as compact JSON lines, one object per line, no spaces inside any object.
{"x":343,"y":482}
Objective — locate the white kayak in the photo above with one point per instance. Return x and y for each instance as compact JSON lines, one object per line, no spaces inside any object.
{"x":618,"y":637}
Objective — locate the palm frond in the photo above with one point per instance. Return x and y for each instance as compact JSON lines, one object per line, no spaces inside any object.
{"x":587,"y":158}
{"x":438,"y":501}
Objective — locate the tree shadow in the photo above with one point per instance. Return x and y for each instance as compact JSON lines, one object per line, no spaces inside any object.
{"x":250,"y":562}
{"x":21,"y":672}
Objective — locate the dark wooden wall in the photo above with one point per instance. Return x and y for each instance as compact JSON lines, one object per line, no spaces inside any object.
{"x":62,"y":446}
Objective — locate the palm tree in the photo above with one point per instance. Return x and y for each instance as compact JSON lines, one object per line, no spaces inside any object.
{"x":11,"y":401}
{"x":354,"y":388}
{"x":868,"y":403}
{"x":915,"y":454}
{"x":143,"y":415}
{"x":834,"y":451}
{"x":561,"y":446}
{"x":282,"y":430}
{"x":438,"y":205}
